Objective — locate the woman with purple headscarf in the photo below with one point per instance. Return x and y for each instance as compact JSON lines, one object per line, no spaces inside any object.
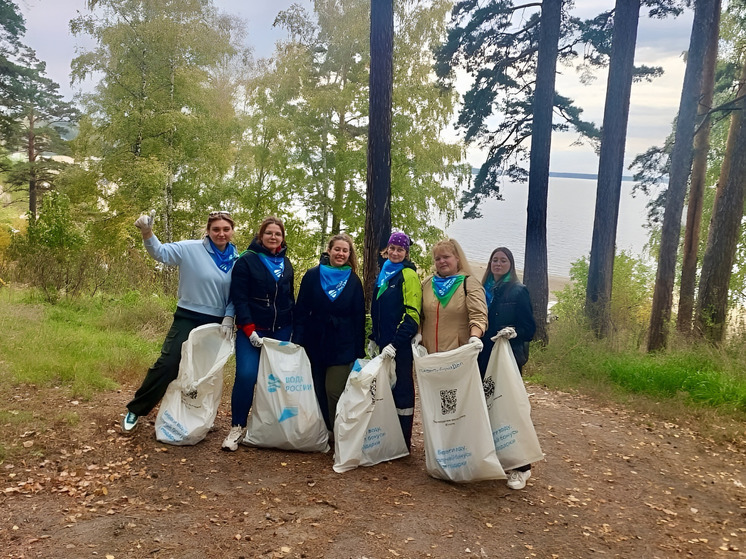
{"x":395,"y":312}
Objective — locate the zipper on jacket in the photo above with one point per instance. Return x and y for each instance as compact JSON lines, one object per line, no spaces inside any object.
{"x":274,"y":321}
{"x":437,"y":325}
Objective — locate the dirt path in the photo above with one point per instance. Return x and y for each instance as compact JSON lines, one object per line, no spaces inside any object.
{"x":613,"y":485}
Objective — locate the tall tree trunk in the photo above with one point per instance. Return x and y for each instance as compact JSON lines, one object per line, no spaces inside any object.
{"x":340,"y":150}
{"x":535,"y":269}
{"x":610,"y":166}
{"x":725,"y":227}
{"x":31,"y":154}
{"x":681,"y":162}
{"x":378,"y":209}
{"x":697,"y":182}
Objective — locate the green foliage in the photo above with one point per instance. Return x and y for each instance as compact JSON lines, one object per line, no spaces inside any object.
{"x":65,"y":258}
{"x":497,"y":43}
{"x":697,"y":376}
{"x":631,"y":297}
{"x":306,"y":118}
{"x":33,"y":115}
{"x":161,"y":121}
{"x":85,"y":346}
{"x":49,"y":254}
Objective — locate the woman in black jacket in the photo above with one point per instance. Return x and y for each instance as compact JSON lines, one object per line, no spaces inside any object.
{"x":263,"y":295}
{"x":509,"y":314}
{"x":329,"y":321}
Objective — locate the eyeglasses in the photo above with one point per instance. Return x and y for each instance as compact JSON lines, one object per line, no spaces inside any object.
{"x":220,"y":214}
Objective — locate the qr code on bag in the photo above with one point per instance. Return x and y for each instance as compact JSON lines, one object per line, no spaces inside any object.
{"x":373,"y":391}
{"x":489,"y":388}
{"x":448,"y":401}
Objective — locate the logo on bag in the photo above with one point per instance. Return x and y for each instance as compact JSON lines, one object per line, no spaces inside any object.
{"x":288,"y":413}
{"x":448,"y":401}
{"x":273,"y":383}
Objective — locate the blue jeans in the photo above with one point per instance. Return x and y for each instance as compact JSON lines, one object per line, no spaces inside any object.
{"x":247,"y":370}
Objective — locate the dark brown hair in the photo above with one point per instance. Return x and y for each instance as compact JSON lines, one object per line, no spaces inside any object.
{"x":512,"y":272}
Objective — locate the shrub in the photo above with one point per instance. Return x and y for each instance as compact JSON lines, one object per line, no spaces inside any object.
{"x":631,"y":297}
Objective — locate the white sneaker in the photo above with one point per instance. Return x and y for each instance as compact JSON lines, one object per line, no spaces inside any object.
{"x":235,"y":436}
{"x":516,"y":479}
{"x":129,"y":422}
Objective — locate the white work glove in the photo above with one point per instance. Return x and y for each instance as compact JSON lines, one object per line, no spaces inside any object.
{"x":417,"y":340}
{"x":389,"y":351}
{"x":226,"y":328}
{"x":477,"y":342}
{"x":256,"y":339}
{"x":372,"y":349}
{"x":145,"y":222}
{"x":508,"y":333}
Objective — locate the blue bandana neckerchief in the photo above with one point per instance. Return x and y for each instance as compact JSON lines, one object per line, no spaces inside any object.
{"x":333,"y":280}
{"x":444,"y":288}
{"x":223,"y":259}
{"x":388,"y":270}
{"x":491,"y":286}
{"x":275,"y":264}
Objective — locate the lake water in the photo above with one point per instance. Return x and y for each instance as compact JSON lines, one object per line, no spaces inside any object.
{"x":570,"y":212}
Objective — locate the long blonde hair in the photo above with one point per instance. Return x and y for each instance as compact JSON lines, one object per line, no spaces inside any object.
{"x":451,"y":246}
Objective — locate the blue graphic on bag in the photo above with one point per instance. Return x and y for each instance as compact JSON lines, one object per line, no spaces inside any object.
{"x":288,"y":413}
{"x":273,"y":383}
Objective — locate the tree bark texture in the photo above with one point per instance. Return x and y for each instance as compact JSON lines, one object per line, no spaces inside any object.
{"x":611,"y":165}
{"x":31,"y":154}
{"x":378,"y":209}
{"x":535,"y":269}
{"x":725,"y":229}
{"x":681,"y":161}
{"x":697,"y":181}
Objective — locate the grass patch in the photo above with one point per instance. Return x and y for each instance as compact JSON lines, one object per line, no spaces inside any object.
{"x":84,"y":345}
{"x":693,"y":379}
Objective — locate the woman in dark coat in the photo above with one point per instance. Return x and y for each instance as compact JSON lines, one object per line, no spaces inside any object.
{"x":263,"y":295}
{"x":509,"y":314}
{"x":329,"y":321}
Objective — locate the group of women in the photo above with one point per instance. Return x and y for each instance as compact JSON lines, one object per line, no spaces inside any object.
{"x":255,"y":292}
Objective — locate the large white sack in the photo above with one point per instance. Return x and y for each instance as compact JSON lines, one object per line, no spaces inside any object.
{"x":189,"y":407}
{"x":286,"y":413}
{"x":458,"y":438}
{"x":513,"y":431}
{"x":366,"y":427}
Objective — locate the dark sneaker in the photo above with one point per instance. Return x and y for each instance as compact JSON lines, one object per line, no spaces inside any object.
{"x":129,"y":423}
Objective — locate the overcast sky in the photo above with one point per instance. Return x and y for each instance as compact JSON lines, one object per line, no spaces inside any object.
{"x":654,"y":105}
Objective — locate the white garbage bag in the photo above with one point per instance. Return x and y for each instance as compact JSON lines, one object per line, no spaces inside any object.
{"x":458,"y":438}
{"x":366,"y":428}
{"x":286,"y":413}
{"x":189,"y":407}
{"x":513,"y":431}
